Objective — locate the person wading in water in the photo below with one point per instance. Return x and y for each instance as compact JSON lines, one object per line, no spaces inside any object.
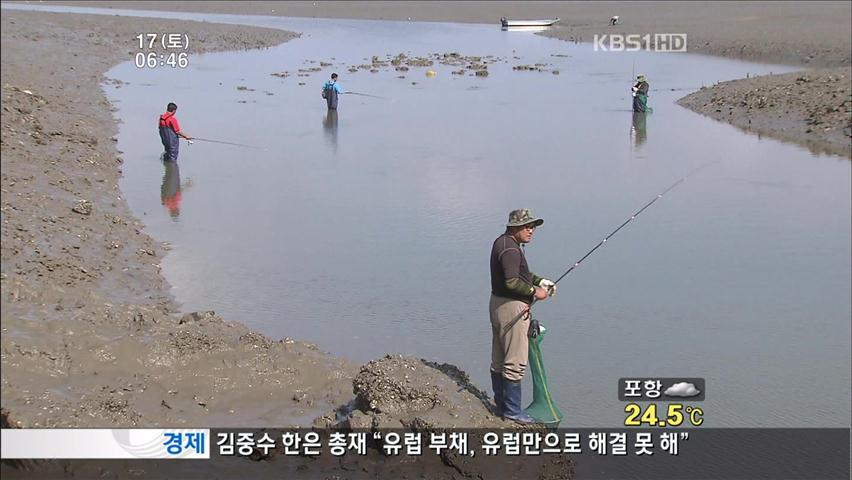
{"x":640,"y":94}
{"x":331,"y":91}
{"x":169,"y":133}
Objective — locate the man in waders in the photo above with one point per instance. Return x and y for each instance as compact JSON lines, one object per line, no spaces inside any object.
{"x":513,"y":288}
{"x":640,"y":94}
{"x":169,"y":133}
{"x":331,"y":91}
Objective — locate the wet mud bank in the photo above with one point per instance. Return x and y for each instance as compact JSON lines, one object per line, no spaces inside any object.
{"x":811,"y":108}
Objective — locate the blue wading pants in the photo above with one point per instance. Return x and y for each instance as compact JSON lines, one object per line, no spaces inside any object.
{"x":331,"y":99}
{"x":170,"y":144}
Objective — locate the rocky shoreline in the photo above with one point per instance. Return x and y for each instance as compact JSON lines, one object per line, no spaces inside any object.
{"x":811,"y":108}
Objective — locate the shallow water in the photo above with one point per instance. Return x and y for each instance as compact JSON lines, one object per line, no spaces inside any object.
{"x":370,"y":232}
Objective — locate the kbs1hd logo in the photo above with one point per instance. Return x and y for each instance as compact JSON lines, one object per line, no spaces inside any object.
{"x":659,"y":42}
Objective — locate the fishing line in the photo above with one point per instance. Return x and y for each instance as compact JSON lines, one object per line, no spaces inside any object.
{"x":578,"y":262}
{"x":365,"y":95}
{"x":226,"y":143}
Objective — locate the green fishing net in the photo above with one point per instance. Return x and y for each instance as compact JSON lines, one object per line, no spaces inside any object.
{"x":542,"y":407}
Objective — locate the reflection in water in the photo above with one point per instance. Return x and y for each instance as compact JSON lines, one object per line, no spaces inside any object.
{"x":329,"y":124}
{"x":170,"y":191}
{"x":638,"y":133}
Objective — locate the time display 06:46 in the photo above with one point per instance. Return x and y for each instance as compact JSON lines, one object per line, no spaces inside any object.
{"x":154,"y":60}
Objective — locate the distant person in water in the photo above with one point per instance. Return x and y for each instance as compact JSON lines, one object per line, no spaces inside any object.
{"x":169,"y":133}
{"x":331,"y":91}
{"x":640,"y":94}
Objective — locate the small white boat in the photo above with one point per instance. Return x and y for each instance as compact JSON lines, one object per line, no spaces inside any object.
{"x":506,"y":23}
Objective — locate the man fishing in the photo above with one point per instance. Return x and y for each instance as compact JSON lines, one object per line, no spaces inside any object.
{"x":640,"y":94}
{"x":169,"y":133}
{"x":513,"y":289}
{"x":331,"y":91}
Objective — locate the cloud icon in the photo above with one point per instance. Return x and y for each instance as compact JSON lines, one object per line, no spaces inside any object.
{"x":682,"y":389}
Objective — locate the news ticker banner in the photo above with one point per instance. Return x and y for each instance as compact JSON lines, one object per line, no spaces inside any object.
{"x":677,"y":453}
{"x":98,"y":443}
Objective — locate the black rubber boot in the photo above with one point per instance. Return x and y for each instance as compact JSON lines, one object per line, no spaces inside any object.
{"x":497,"y":387}
{"x":512,"y":403}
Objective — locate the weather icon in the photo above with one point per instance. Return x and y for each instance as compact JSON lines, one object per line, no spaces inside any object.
{"x":682,"y":389}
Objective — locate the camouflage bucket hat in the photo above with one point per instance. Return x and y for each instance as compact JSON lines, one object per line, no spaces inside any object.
{"x":523,"y":216}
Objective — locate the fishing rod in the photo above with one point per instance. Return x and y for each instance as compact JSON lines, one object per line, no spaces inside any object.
{"x":365,"y":95}
{"x":578,"y":262}
{"x":633,"y":72}
{"x":225,"y":143}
